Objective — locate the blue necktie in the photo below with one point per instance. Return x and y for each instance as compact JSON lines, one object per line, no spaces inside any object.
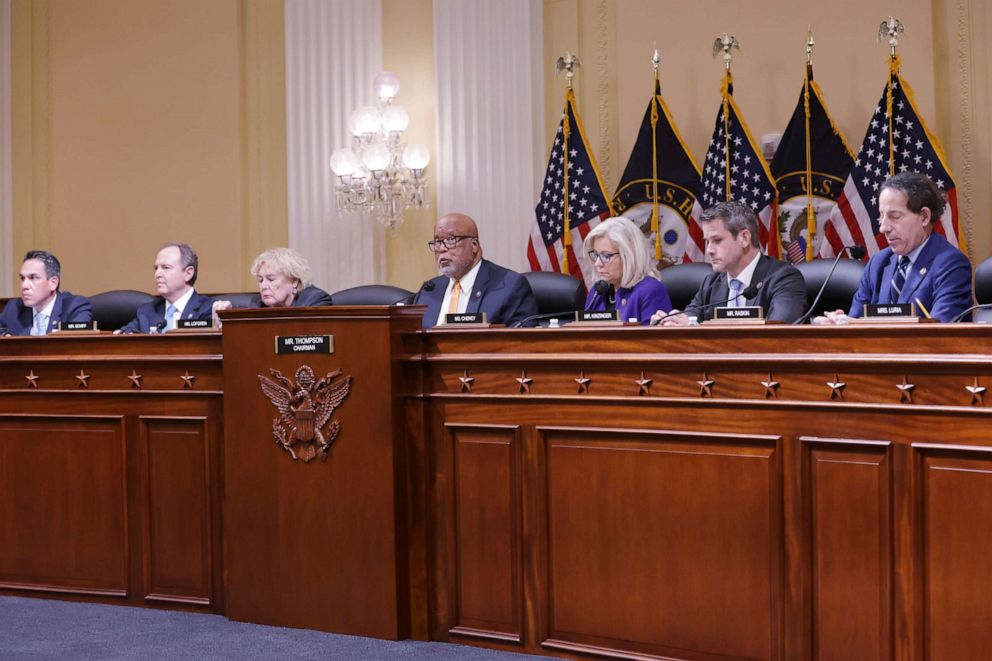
{"x":735,"y":292}
{"x":899,"y":279}
{"x":170,"y":317}
{"x":40,"y":324}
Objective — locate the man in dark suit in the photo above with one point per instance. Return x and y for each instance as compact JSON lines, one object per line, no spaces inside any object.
{"x":42,"y":306}
{"x":176,"y":268}
{"x":918,"y":266}
{"x":469,"y":283}
{"x":730,"y":233}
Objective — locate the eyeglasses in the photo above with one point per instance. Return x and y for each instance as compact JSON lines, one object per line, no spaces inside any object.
{"x":448,"y":242}
{"x":605,"y":257}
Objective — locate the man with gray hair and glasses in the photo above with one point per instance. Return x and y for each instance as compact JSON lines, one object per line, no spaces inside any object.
{"x":42,"y":306}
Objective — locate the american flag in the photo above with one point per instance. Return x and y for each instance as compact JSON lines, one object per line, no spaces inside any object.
{"x":913,"y":148}
{"x":586,"y":199}
{"x":732,"y":148}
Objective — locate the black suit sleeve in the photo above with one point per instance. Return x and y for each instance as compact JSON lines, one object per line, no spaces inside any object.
{"x":520,"y":304}
{"x":785,"y":291}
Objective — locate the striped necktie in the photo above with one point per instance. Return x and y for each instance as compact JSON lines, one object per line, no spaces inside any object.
{"x":899,"y":279}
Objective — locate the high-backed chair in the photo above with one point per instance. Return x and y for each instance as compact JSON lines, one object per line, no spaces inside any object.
{"x":983,"y":290}
{"x":113,"y":309}
{"x":556,"y":292}
{"x":372,"y":295}
{"x":841,"y":288}
{"x":683,"y":280}
{"x":241,"y":299}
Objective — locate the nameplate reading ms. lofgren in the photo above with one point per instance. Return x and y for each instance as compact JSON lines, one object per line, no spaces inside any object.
{"x":194,"y":323}
{"x":305,"y":344}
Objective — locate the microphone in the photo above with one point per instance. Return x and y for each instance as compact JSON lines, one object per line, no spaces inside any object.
{"x":856,"y":252}
{"x":980,"y":306}
{"x":159,"y":327}
{"x":605,"y":289}
{"x":749,"y":292}
{"x":537,"y":317}
{"x":427,"y":286}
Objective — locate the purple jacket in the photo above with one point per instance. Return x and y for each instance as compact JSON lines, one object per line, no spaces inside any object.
{"x":640,"y":301}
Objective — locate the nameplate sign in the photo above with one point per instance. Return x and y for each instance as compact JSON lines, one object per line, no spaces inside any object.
{"x":890,"y":310}
{"x":745,"y":312}
{"x":77,"y":326}
{"x":463,"y":318}
{"x":596,"y":315}
{"x":305,"y":344}
{"x":187,"y":324}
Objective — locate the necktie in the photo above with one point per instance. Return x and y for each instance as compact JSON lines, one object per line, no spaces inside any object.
{"x":170,"y":317}
{"x":455,"y":295}
{"x":40,"y":324}
{"x":899,"y":279}
{"x":735,"y":291}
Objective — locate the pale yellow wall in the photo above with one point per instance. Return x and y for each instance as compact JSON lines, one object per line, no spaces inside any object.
{"x":408,"y":49}
{"x":133,"y":122}
{"x":945,"y":50}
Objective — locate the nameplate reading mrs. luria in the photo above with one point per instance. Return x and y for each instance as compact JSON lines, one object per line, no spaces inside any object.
{"x":194,"y":323}
{"x":305,"y":344}
{"x":77,"y":326}
{"x":890,"y":310}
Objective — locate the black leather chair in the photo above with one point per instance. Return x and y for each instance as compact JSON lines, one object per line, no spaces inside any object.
{"x":556,"y":292}
{"x":113,"y":309}
{"x":241,"y":299}
{"x":843,"y":283}
{"x":683,"y":280}
{"x":371,"y":295}
{"x":983,"y":281}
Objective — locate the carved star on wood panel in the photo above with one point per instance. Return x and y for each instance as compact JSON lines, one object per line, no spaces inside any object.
{"x":905,"y":391}
{"x":467,"y":381}
{"x":188,"y":380}
{"x":771,"y":387}
{"x":524,"y":382}
{"x":706,"y":386}
{"x":836,"y":388}
{"x":977,"y":393}
{"x":135,"y":379}
{"x":32,"y":379}
{"x":583,"y":382}
{"x":644,"y":385}
{"x":84,"y":379}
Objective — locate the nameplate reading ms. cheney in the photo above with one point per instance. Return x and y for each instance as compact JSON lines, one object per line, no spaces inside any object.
{"x":305,"y":344}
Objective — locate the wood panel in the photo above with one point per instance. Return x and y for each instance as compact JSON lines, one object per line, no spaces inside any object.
{"x":178,"y":540}
{"x":65,"y":522}
{"x":486,"y":532}
{"x":957,"y":539}
{"x":664,"y":543}
{"x":851,"y":543}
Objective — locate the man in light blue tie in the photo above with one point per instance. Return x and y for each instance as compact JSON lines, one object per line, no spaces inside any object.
{"x":42,"y":306}
{"x":730,"y":233}
{"x":176,"y":267}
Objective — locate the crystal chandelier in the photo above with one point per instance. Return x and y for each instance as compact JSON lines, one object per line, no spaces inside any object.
{"x":380,"y":176}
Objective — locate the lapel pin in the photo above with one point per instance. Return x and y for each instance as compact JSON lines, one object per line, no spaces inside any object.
{"x":923,"y":271}
{"x":478,"y":294}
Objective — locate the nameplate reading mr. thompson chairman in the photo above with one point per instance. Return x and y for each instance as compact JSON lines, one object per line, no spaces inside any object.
{"x":305,"y":344}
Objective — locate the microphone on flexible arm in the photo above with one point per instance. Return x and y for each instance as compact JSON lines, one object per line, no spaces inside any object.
{"x":979,"y":306}
{"x":602,"y":287}
{"x":427,"y":286}
{"x":609,"y":294}
{"x":538,"y":317}
{"x":159,"y":327}
{"x":749,"y":292}
{"x":856,"y":252}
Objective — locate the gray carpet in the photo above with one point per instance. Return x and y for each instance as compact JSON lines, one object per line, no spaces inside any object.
{"x":32,"y":629}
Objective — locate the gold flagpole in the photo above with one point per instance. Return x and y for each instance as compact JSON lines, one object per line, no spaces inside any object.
{"x":810,"y":211}
{"x":891,"y":28}
{"x":568,"y":63}
{"x":655,"y":225}
{"x":725,"y":43}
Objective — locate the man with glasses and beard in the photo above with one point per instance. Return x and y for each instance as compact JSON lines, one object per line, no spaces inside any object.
{"x":468,"y":283}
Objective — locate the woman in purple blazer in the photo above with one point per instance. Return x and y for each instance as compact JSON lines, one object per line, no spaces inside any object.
{"x":618,"y":252}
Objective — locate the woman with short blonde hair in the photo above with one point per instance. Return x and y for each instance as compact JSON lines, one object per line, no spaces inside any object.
{"x":618,"y":252}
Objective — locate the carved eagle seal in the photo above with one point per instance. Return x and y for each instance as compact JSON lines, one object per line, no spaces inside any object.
{"x":304,"y":410}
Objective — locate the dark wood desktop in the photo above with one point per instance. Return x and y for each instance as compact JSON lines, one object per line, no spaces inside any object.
{"x":701,"y":493}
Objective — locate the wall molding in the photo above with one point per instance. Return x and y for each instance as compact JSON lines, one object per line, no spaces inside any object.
{"x":6,"y":175}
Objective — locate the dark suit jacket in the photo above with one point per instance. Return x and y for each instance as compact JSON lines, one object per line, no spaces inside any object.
{"x":310,"y":297}
{"x":18,"y":320}
{"x":152,"y":315}
{"x":940,"y":278}
{"x":504,"y":296}
{"x":781,"y":292}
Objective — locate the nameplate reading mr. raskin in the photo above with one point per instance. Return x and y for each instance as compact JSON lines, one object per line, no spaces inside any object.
{"x":890,"y":310}
{"x":744,"y":312}
{"x":305,"y":344}
{"x":194,"y":323}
